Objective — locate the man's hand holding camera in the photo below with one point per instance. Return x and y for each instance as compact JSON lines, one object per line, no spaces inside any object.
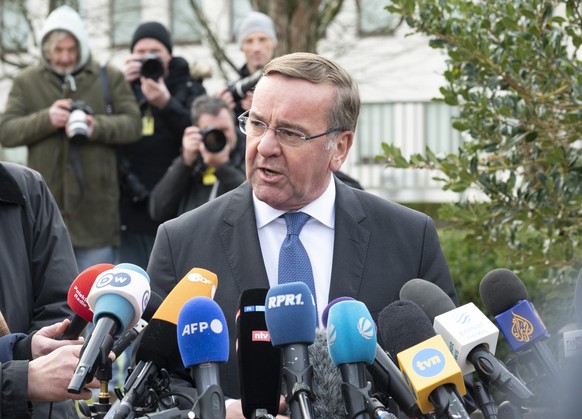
{"x":59,"y":112}
{"x":150,"y":73}
{"x":214,"y":152}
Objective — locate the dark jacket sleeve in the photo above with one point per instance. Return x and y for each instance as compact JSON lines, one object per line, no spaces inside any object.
{"x":7,"y":345}
{"x":14,"y":396}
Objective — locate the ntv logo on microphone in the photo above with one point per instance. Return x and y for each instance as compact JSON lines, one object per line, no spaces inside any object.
{"x":116,"y":279}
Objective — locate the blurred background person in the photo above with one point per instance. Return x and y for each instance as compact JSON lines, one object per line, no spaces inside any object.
{"x":164,"y":89}
{"x":75,"y":151}
{"x":211,"y":162}
{"x":257,"y":39}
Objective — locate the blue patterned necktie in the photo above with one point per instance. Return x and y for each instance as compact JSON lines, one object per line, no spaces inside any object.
{"x":294,"y":265}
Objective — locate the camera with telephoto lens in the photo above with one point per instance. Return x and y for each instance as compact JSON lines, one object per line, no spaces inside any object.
{"x":214,"y":139}
{"x":239,"y":89}
{"x":152,"y":67}
{"x":77,"y":127}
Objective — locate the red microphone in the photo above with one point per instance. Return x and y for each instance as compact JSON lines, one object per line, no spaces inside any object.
{"x":77,"y":300}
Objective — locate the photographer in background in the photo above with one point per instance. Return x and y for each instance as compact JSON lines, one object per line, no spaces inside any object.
{"x":211,"y":163}
{"x":257,"y":39}
{"x":164,"y":90}
{"x":81,"y":171}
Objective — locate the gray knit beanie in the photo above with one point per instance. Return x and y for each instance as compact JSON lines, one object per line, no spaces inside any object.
{"x":255,"y":22}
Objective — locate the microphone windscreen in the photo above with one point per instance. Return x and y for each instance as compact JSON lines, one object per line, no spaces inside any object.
{"x":351,"y":333}
{"x":259,"y":362}
{"x":196,"y":283}
{"x":327,"y":380}
{"x":121,"y":293}
{"x":402,"y":325}
{"x":79,"y":290}
{"x":428,"y":296}
{"x":290,"y":314}
{"x":202,"y":332}
{"x":501,"y":289}
{"x":325,"y":312}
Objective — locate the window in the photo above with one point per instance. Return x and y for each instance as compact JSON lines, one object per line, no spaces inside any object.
{"x":125,"y":18}
{"x":14,"y":34}
{"x":185,"y":25}
{"x":374,"y":19}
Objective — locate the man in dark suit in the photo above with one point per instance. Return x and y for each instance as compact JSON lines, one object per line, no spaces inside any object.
{"x":299,"y":131}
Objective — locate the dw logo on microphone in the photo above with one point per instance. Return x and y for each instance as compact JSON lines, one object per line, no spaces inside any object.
{"x":116,"y":279}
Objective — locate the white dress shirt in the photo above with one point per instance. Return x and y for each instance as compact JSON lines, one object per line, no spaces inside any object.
{"x":317,"y":236}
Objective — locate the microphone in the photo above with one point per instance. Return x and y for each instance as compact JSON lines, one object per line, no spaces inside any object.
{"x":77,"y":300}
{"x":203,"y":344}
{"x":128,"y":337}
{"x":470,"y":336}
{"x":117,"y":298}
{"x":426,"y":363}
{"x":162,"y":326}
{"x":352,"y":346}
{"x":505,"y":297}
{"x":385,"y":373}
{"x":259,"y":362}
{"x":290,"y":317}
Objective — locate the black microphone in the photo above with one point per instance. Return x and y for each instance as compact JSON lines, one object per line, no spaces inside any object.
{"x":430,"y":370}
{"x":118,"y":298}
{"x":505,"y":297}
{"x":290,"y":317}
{"x":259,"y":362}
{"x":386,"y":376}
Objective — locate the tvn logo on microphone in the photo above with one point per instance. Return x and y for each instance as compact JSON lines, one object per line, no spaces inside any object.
{"x":116,"y":279}
{"x":214,"y":326}
{"x":428,"y":362}
{"x":285,"y":300}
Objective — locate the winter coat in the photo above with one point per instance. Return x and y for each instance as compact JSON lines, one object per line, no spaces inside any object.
{"x":81,"y":176}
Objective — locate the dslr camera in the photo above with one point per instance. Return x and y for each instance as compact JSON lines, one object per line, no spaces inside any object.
{"x":152,"y":67}
{"x":77,"y":127}
{"x":214,"y":139}
{"x":239,"y":89}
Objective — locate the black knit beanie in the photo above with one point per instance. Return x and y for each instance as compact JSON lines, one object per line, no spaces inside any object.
{"x":153,"y":30}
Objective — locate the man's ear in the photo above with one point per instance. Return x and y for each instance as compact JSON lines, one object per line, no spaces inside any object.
{"x":342,"y":145}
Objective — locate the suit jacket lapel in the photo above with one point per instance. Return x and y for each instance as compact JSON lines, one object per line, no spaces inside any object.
{"x":350,"y":244}
{"x":241,"y":241}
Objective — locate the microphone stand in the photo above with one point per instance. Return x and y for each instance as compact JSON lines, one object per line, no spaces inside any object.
{"x":104,"y":374}
{"x":372,"y":407}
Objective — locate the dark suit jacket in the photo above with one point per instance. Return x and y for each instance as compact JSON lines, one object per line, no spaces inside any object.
{"x":379,"y":246}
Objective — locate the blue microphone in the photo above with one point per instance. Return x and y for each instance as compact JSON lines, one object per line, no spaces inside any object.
{"x":290,"y":318}
{"x":351,"y":337}
{"x":203,"y":343}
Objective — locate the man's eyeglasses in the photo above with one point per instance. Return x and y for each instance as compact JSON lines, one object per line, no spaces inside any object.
{"x":286,"y":136}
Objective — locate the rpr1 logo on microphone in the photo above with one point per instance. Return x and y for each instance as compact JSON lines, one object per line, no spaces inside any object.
{"x":428,"y":362}
{"x":285,"y":300}
{"x":116,"y":279}
{"x":200,"y":327}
